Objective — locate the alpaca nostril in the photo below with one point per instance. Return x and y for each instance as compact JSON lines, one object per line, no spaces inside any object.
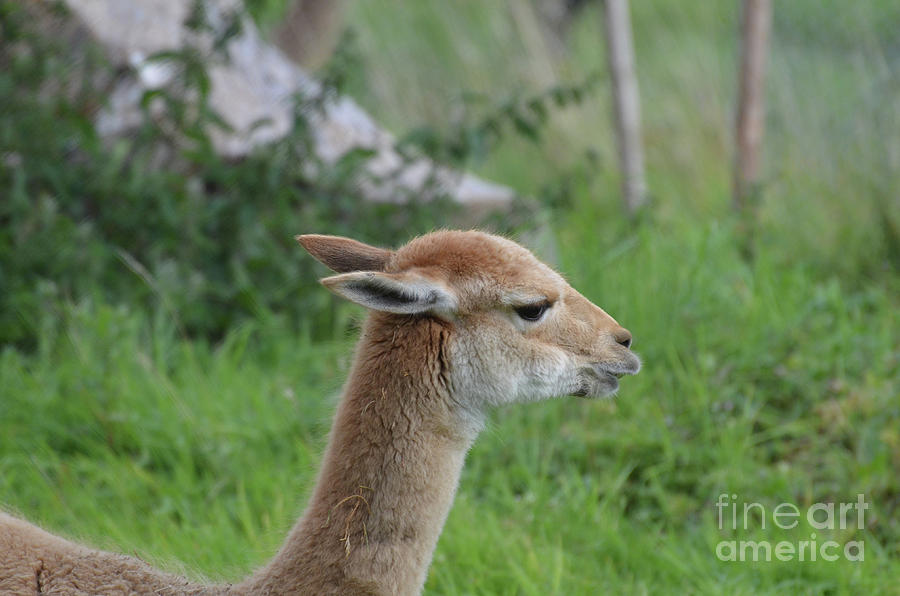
{"x":623,"y":337}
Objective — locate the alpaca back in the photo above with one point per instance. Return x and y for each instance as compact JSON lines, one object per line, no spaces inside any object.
{"x":37,"y":562}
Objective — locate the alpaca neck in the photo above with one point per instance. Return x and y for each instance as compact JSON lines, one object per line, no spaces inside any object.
{"x":389,"y":473}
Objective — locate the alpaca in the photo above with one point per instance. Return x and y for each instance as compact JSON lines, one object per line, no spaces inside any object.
{"x":459,"y":322}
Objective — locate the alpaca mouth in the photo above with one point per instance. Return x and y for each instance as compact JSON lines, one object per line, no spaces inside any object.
{"x":630,"y":366}
{"x":610,"y":377}
{"x":602,"y":379}
{"x":597,"y":385}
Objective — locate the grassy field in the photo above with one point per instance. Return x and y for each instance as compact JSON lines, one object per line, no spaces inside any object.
{"x":776,"y":380}
{"x":761,"y":381}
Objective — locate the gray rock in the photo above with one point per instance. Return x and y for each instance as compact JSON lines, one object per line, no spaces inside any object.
{"x":253,"y":91}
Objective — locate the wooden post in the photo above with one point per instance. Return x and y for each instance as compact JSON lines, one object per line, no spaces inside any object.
{"x":756,"y":18}
{"x":626,"y":103}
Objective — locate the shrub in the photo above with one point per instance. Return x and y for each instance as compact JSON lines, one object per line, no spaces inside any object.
{"x":208,"y":239}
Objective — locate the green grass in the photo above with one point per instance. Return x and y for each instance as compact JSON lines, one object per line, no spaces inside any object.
{"x":768,"y":382}
{"x":776,"y":380}
{"x":831,"y":150}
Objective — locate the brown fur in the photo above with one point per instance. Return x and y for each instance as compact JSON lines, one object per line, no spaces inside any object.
{"x":411,"y":408}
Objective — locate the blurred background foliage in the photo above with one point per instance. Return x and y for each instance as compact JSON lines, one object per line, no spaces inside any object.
{"x":159,"y":324}
{"x":211,"y":241}
{"x":479,"y":87}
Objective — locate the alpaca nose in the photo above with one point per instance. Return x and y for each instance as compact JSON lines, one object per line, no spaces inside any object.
{"x":622,"y":337}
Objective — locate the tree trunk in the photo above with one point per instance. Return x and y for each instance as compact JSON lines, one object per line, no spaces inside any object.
{"x":756,"y":17}
{"x":310,"y":30}
{"x":626,"y":102}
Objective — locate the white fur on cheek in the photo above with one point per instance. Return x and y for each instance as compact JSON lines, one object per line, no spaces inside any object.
{"x":551,"y":376}
{"x":495,"y":370}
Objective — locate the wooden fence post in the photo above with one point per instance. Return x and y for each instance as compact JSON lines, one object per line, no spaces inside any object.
{"x":756,"y":18}
{"x":626,"y":103}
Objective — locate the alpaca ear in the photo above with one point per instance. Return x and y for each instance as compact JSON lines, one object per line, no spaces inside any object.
{"x":342,"y":255}
{"x":404,"y":293}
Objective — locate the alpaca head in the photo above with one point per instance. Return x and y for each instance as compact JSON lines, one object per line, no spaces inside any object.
{"x":517,"y":330}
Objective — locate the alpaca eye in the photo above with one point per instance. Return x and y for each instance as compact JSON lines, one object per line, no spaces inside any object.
{"x":532,"y":312}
